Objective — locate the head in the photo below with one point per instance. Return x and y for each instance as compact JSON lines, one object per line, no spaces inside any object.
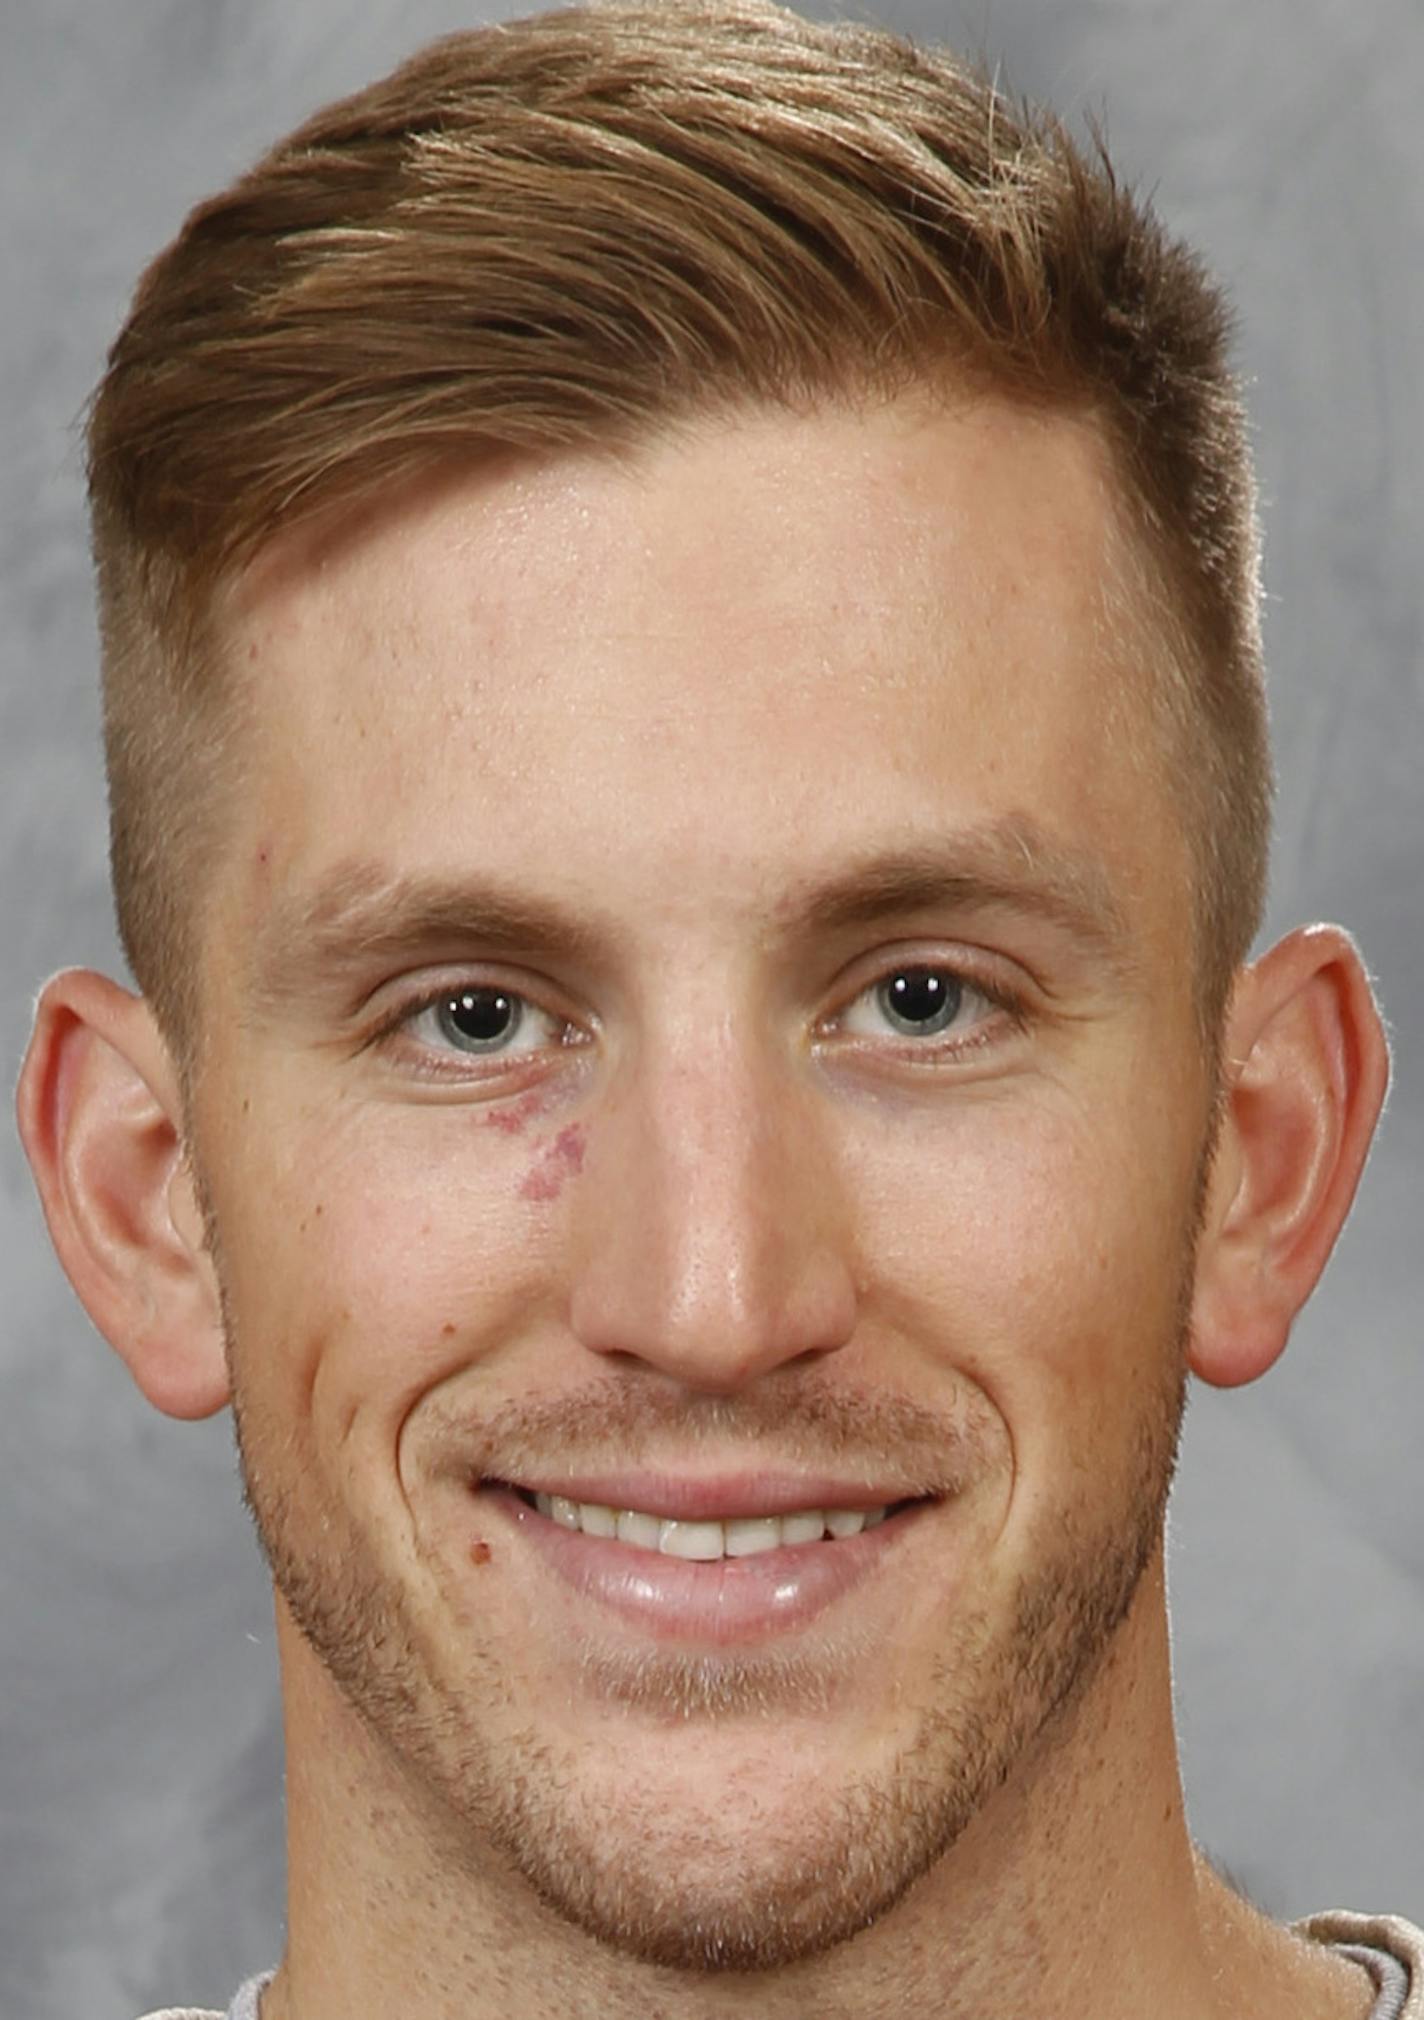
{"x":689,"y":805}
{"x":580,"y":229}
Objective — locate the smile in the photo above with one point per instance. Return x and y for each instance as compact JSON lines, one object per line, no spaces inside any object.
{"x":703,"y":1541}
{"x":679,"y":1571}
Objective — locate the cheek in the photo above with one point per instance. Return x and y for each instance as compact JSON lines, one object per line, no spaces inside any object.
{"x":368,"y":1263}
{"x":554,"y":1164}
{"x":1037,"y":1246}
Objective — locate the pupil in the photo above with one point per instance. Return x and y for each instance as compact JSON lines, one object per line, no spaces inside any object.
{"x":922,"y":999}
{"x":479,"y":1016}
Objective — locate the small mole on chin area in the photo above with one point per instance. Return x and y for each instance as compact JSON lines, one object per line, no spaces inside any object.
{"x":480,"y":1552}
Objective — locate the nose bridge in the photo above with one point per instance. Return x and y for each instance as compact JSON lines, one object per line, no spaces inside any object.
{"x":712,"y":1243}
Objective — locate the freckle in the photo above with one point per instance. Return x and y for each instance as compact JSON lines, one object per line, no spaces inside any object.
{"x":319,"y":1209}
{"x":479,"y":1551}
{"x":447,"y":1331}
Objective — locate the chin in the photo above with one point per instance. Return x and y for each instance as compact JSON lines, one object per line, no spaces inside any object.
{"x":729,"y":1885}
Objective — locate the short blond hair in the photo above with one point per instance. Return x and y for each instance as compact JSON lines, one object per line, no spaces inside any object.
{"x":559,"y":232}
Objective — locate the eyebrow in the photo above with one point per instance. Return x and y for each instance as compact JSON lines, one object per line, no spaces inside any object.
{"x":361,"y":917}
{"x":1010,"y":864}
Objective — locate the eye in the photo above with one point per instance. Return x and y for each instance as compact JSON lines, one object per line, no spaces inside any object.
{"x":481,"y":1020}
{"x":919,"y":1001}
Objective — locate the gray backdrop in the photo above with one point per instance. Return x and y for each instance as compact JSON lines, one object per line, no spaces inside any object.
{"x":140,"y":1761}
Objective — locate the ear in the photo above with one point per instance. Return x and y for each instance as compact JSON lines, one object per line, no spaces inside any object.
{"x":1304,"y":1078}
{"x":100,"y":1116}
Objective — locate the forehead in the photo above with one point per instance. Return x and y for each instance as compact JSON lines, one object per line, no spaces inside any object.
{"x":731,"y":648}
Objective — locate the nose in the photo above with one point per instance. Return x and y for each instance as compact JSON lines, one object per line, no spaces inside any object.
{"x":712,"y":1240}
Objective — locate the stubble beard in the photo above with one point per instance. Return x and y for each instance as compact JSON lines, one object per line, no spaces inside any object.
{"x":726,"y":1890}
{"x":705,"y":1893}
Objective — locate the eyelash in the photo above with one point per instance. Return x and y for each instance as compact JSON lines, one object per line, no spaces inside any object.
{"x":924,"y":1051}
{"x":457,"y":1065}
{"x":995,"y":994}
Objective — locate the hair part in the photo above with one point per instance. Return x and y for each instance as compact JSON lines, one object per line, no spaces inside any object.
{"x":569,"y":230}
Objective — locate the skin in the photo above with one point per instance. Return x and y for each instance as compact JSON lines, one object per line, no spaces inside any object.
{"x":718,"y":1212}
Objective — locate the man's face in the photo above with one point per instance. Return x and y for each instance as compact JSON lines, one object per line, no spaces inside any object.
{"x":699,"y":1015}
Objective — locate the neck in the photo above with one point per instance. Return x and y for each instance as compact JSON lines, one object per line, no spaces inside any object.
{"x":1078,"y":1875}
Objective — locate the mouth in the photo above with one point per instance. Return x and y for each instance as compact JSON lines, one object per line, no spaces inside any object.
{"x":705,"y":1538}
{"x":699,"y":1563}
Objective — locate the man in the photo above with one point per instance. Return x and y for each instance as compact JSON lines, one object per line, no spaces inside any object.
{"x":689,"y":801}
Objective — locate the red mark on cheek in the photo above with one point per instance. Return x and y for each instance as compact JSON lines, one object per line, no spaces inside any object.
{"x":480,"y":1552}
{"x":557,"y":1162}
{"x":511,"y":1121}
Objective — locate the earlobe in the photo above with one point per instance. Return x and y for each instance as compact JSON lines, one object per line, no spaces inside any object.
{"x":1307,"y":1065}
{"x":100,"y":1118}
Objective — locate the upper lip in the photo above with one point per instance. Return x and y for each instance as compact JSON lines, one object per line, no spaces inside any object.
{"x":714,"y":1497}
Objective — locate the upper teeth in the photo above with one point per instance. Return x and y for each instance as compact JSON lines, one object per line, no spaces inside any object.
{"x":743,"y":1536}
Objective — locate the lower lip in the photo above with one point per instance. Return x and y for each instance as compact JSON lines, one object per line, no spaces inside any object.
{"x":727,"y":1601}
